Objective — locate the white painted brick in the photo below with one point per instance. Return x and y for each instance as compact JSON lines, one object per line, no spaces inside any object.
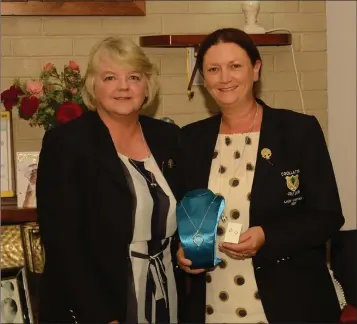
{"x":316,"y":100}
{"x":6,"y":83}
{"x":215,"y":7}
{"x":27,"y":146}
{"x":42,"y":46}
{"x":288,"y":100}
{"x":83,"y":45}
{"x":281,"y":81}
{"x":165,"y":51}
{"x":305,"y":61}
{"x":279,"y":6}
{"x":72,"y":26}
{"x":133,"y":25}
{"x":268,"y":62}
{"x":16,"y":67}
{"x":6,"y":48}
{"x":315,"y":80}
{"x":313,"y":100}
{"x":173,"y":65}
{"x":24,"y":132}
{"x":300,"y":22}
{"x":314,"y":42}
{"x":173,"y":84}
{"x":313,"y":6}
{"x":163,"y":7}
{"x":21,"y":26}
{"x":191,"y":24}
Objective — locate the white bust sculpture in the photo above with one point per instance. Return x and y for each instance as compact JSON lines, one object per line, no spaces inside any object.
{"x":251,"y":11}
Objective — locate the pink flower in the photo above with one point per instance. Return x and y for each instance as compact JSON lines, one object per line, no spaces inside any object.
{"x":74,"y":91}
{"x":73,"y":65}
{"x":49,"y":87}
{"x":35,"y":88}
{"x":48,"y":67}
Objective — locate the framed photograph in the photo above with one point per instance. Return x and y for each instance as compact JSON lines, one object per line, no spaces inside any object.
{"x":15,"y":306}
{"x":7,"y":156}
{"x":11,"y":306}
{"x":26,"y":177}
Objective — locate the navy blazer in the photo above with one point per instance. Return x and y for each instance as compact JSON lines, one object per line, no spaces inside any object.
{"x":290,"y":269}
{"x":84,"y":207}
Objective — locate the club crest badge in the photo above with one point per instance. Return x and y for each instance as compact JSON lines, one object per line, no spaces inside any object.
{"x":292,"y":182}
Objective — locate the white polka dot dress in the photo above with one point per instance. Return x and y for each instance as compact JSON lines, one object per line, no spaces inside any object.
{"x":232,"y":295}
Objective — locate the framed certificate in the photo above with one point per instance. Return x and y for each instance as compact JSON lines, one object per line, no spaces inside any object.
{"x":26,"y":176}
{"x":7,"y":156}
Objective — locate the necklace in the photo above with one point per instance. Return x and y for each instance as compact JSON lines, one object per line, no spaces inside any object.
{"x":153,"y":181}
{"x":198,"y":238}
{"x":247,"y":140}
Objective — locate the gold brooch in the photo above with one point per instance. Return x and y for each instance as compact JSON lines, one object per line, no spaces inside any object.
{"x":266,"y":154}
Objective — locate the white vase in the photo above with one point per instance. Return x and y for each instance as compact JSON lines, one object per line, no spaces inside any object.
{"x":251,"y":11}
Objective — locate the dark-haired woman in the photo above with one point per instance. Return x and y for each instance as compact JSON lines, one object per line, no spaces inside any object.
{"x":273,"y":168}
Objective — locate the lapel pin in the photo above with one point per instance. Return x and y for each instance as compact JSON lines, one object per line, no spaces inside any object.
{"x":170,"y":163}
{"x":266,"y":154}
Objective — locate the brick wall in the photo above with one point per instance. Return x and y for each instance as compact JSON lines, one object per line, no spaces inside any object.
{"x":30,"y":42}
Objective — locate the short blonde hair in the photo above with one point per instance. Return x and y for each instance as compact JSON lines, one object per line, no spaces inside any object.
{"x":126,"y":53}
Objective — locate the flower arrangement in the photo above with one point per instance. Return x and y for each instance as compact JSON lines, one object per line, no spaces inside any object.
{"x":51,"y":100}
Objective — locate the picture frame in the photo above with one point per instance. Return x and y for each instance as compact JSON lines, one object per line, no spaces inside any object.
{"x":15,"y":303}
{"x":26,"y":177}
{"x":73,"y":8}
{"x":11,"y":304}
{"x":7,"y":157}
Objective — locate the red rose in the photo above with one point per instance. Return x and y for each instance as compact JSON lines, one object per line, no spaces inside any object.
{"x":28,"y":107}
{"x":10,"y":97}
{"x":68,"y":111}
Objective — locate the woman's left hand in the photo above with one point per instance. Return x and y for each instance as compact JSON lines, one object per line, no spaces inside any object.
{"x":249,"y":244}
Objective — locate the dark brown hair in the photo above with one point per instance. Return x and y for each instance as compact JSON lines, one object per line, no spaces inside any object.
{"x":229,"y":35}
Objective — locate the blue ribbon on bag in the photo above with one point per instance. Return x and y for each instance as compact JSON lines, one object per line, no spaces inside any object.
{"x":198,"y":215}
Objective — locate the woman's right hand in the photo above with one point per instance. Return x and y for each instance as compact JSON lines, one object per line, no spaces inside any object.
{"x":184,"y":263}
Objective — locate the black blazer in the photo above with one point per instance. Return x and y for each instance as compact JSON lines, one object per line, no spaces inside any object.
{"x":292,"y":278}
{"x":84,"y":210}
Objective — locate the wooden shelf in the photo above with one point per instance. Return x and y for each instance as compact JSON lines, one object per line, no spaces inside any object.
{"x":73,"y":8}
{"x":11,"y":214}
{"x":195,"y":40}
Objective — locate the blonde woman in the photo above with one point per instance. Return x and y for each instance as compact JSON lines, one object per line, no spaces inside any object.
{"x":106,"y":199}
